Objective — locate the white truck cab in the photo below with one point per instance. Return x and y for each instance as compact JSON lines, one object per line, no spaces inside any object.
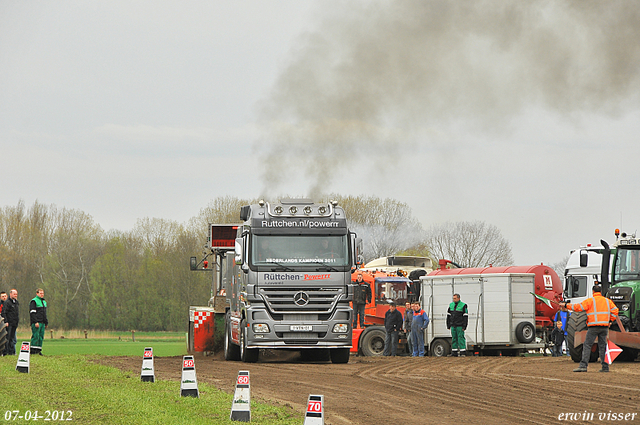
{"x":581,"y":273}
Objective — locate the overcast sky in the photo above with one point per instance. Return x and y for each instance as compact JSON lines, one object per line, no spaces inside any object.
{"x":525,"y":115}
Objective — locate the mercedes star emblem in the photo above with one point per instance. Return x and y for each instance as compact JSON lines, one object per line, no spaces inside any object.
{"x":301,"y":299}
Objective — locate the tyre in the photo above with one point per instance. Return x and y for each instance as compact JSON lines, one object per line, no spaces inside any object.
{"x":372,"y":342}
{"x":578,"y":322}
{"x":247,"y":355}
{"x":231,"y":350}
{"x":339,"y":355}
{"x":525,"y":332}
{"x":440,"y":348}
{"x":628,"y":355}
{"x":3,"y":335}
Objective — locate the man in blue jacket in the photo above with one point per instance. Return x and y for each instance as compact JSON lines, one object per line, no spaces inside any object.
{"x":563,"y":316}
{"x":419,"y":323}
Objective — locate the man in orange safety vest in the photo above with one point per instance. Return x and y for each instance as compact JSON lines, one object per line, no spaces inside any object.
{"x":601,"y":312}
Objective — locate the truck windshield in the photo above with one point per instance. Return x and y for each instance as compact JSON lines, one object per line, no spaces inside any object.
{"x":627,"y":264}
{"x":298,"y":250}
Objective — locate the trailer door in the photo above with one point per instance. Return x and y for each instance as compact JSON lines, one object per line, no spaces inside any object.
{"x":470,"y":290}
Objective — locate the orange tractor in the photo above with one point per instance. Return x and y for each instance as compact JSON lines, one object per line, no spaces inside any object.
{"x":385,"y":287}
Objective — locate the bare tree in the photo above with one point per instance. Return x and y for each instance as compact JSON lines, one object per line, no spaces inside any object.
{"x":470,"y":244}
{"x":386,"y":226}
{"x":559,"y":268}
{"x":221,"y":210}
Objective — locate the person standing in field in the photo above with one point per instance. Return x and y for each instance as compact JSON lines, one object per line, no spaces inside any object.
{"x":11,"y":314}
{"x":408,"y":315}
{"x":563,"y":316}
{"x":557,"y":336}
{"x":38,"y":315}
{"x":601,"y":312}
{"x":361,"y":296}
{"x":419,"y":322}
{"x":457,"y":319}
{"x":392,"y":326}
{"x":3,"y":298}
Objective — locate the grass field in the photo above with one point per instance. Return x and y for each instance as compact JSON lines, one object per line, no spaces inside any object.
{"x":111,"y":343}
{"x":90,"y":393}
{"x":68,"y":382}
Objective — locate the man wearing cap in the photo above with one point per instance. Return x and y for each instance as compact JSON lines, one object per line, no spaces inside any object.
{"x":601,"y":312}
{"x":392,"y":326}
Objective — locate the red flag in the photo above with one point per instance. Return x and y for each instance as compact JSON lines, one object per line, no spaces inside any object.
{"x":612,"y":352}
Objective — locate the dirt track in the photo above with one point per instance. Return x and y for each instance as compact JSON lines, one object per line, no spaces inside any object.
{"x":402,"y":390}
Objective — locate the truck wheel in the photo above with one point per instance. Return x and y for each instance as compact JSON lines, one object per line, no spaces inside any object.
{"x":372,"y":342}
{"x":339,"y":355}
{"x":525,"y":332}
{"x":231,"y":350}
{"x":3,"y":335}
{"x":578,"y":322}
{"x":440,"y":348}
{"x":247,"y":355}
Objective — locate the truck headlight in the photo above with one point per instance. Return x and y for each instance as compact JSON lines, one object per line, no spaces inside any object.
{"x":340,"y":328}
{"x":625,"y":307}
{"x":260,"y":328}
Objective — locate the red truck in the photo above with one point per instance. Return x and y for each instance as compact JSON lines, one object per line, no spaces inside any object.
{"x":385,"y":287}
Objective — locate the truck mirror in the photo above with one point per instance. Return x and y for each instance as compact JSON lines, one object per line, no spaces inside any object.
{"x":193,"y":263}
{"x":239,"y":251}
{"x":360,"y":260}
{"x":584,"y":259}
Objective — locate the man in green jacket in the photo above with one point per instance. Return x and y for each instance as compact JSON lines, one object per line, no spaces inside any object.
{"x":38,"y":315}
{"x":457,"y":319}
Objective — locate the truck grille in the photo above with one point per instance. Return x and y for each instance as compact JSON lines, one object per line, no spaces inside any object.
{"x":310,"y":300}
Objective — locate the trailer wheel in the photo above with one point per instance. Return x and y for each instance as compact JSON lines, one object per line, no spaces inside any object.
{"x":525,"y":332}
{"x":578,"y":322}
{"x":440,"y":348}
{"x":372,"y":342}
{"x":247,"y":355}
{"x":3,"y":335}
{"x":339,"y":355}
{"x":231,"y":350}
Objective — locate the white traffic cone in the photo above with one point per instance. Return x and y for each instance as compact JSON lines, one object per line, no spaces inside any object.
{"x":148,"y":373}
{"x":189,"y":383}
{"x":24,"y":358}
{"x":241,"y":407}
{"x":315,"y":410}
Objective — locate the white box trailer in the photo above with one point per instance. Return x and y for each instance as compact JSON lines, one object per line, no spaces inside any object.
{"x":501,"y":312}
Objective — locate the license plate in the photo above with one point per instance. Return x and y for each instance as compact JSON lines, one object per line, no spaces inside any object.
{"x":301,"y":328}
